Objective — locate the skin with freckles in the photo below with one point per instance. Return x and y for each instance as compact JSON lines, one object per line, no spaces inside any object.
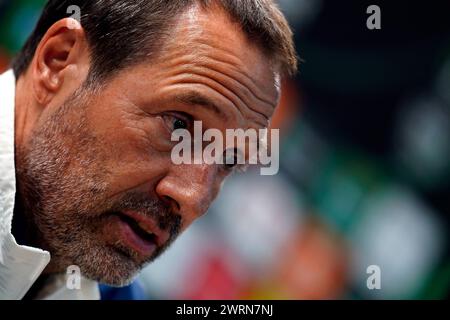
{"x":85,"y":156}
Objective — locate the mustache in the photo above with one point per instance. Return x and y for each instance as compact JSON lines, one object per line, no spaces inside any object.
{"x":156,"y":209}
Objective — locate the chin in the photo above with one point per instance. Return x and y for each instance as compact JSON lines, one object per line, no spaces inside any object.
{"x":108,"y":266}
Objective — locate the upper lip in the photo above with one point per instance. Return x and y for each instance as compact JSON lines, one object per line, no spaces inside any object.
{"x":149,"y":225}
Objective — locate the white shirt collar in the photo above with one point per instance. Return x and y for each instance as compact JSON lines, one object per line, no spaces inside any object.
{"x":20,"y":266}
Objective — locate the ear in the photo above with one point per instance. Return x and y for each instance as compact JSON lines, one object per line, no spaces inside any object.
{"x":61,"y":56}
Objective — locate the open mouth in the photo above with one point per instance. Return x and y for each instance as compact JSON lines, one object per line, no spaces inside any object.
{"x":138,"y":229}
{"x":140,"y":233}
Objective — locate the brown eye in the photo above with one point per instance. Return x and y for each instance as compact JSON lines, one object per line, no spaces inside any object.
{"x":179,"y":124}
{"x":174,"y":122}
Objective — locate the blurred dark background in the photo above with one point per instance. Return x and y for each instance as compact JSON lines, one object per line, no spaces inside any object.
{"x":365,"y":166}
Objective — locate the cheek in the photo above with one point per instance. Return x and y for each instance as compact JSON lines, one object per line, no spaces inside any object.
{"x":134,"y":147}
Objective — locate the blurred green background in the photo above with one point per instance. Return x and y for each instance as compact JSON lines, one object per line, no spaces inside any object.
{"x":365,"y":167}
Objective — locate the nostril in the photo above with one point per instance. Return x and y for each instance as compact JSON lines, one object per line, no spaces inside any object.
{"x":171,"y":203}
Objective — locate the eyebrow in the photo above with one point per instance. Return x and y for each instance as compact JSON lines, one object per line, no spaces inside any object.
{"x":197,"y":99}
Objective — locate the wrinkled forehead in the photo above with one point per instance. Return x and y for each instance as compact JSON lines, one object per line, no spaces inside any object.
{"x":209,"y":38}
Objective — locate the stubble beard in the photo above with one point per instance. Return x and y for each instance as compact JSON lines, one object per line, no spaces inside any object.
{"x":63,"y":187}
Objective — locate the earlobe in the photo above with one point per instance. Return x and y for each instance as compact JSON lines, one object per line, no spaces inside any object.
{"x":60,"y":48}
{"x":40,"y":87}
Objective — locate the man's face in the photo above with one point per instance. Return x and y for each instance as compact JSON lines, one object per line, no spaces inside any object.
{"x":97,"y":174}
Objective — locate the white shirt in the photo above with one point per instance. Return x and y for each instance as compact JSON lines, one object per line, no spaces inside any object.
{"x":20,"y":266}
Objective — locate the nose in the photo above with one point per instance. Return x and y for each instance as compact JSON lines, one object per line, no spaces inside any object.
{"x":189,"y":189}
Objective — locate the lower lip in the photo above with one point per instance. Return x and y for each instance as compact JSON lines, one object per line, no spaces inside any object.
{"x":134,"y":241}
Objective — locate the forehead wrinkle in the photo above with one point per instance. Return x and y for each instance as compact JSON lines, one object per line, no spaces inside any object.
{"x":229,"y":59}
{"x":187,"y":77}
{"x":194,"y":98}
{"x":248,"y":86}
{"x":203,"y":51}
{"x":200,"y":41}
{"x":192,"y":64}
{"x":243,"y":92}
{"x":173,"y":89}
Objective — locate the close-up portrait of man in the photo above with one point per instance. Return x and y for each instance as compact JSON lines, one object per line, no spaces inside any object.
{"x":310,"y":137}
{"x":87,"y":112}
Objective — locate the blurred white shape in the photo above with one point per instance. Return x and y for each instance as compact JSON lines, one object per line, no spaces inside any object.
{"x":424,"y":139}
{"x":258,"y":216}
{"x":402,"y":236}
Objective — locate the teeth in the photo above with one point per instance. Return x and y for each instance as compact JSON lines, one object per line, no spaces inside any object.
{"x":143,"y":227}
